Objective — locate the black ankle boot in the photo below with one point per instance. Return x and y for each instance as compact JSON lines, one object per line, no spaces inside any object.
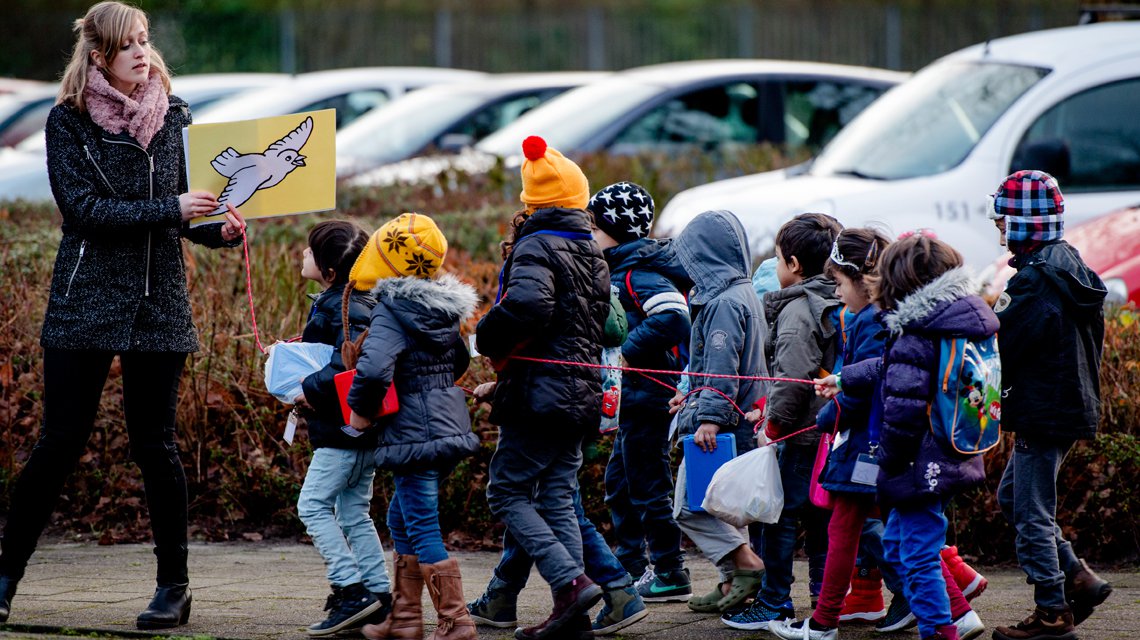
{"x":169,"y":608}
{"x":7,"y":590}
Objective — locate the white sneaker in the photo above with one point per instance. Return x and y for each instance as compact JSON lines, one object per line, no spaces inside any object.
{"x":969,"y":625}
{"x":792,"y":630}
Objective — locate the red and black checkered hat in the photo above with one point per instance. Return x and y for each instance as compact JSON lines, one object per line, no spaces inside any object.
{"x":1032,"y":205}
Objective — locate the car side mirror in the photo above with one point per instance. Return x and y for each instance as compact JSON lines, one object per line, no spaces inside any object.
{"x":1050,"y":156}
{"x":455,"y":142}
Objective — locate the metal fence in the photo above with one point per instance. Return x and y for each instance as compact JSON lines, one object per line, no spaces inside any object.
{"x":896,"y":35}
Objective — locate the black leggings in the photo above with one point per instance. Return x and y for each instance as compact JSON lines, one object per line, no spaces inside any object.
{"x":73,"y":384}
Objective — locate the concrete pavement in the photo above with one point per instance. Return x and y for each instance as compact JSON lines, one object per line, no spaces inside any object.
{"x":269,"y":590}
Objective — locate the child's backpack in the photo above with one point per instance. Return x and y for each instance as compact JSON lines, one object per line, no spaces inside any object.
{"x":965,"y":415}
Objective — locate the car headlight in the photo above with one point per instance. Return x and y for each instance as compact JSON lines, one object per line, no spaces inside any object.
{"x":1117,"y":291}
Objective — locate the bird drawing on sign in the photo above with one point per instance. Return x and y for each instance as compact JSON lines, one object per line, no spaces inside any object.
{"x":250,"y":172}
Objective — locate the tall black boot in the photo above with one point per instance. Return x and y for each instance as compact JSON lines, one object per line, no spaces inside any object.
{"x":7,"y":591}
{"x":169,"y":608}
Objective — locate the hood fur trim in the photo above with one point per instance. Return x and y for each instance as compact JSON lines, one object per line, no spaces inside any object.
{"x":952,"y":285}
{"x":446,"y":293}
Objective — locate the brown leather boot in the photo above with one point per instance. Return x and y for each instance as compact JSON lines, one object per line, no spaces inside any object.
{"x":1085,"y":590}
{"x":445,"y":588}
{"x":1042,"y":624}
{"x":406,"y":621}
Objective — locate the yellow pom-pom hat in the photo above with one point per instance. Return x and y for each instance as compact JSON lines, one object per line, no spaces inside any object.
{"x":550,"y":179}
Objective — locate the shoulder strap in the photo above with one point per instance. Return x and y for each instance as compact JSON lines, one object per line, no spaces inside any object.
{"x":569,"y":235}
{"x":632,"y":293}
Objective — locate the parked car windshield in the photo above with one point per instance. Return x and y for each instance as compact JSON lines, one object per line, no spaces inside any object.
{"x":568,"y":120}
{"x":929,"y":124}
{"x":398,"y":131}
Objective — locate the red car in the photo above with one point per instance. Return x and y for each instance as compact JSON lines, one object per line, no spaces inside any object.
{"x":1109,"y":244}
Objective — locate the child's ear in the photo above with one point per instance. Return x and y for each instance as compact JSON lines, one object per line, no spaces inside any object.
{"x":330,"y":274}
{"x":794,"y":266}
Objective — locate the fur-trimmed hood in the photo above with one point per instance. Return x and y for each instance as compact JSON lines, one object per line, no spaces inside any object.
{"x":947,"y":304}
{"x":432,"y":308}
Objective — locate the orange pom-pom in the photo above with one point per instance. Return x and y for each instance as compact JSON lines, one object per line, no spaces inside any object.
{"x":534,"y":148}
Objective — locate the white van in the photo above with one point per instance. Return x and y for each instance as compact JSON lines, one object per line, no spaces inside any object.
{"x":929,"y":152}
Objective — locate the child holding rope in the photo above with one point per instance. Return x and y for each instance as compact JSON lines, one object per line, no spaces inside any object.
{"x":337,"y":490}
{"x":728,"y":326}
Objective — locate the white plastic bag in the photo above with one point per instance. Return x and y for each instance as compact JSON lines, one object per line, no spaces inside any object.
{"x":291,"y":362}
{"x":747,"y":489}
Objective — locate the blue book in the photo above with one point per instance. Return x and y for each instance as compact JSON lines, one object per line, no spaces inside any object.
{"x":700,"y":466}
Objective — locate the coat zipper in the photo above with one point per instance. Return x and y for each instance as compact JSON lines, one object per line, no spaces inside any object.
{"x":101,"y":174}
{"x":82,"y":248}
{"x":150,"y":196}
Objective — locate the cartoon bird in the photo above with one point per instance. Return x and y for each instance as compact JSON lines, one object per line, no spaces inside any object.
{"x":250,"y":172}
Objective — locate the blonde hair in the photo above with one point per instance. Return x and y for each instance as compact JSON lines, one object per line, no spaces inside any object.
{"x":106,"y":26}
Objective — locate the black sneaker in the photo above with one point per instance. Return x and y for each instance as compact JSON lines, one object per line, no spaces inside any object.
{"x":349,"y":607}
{"x":898,"y":617}
{"x":669,"y":586}
{"x":494,"y":608}
{"x":758,"y":615}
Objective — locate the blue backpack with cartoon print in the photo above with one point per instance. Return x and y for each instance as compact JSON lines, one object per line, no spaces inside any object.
{"x":965,"y":415}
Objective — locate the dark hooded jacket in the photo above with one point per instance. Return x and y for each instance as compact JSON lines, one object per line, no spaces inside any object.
{"x":119,"y":281}
{"x":913,"y":467}
{"x":555,"y":299}
{"x":1052,"y":318}
{"x":414,"y":343}
{"x":728,"y":326}
{"x":651,"y":285}
{"x":861,"y":337}
{"x":325,"y":326}
{"x":801,"y":344}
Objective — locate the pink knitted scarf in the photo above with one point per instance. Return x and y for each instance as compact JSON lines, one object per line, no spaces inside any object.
{"x":141,"y":114}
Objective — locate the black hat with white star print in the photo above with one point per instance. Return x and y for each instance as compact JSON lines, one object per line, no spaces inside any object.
{"x":623,"y":210}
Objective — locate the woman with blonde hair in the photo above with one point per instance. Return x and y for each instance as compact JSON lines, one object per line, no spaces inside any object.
{"x":114,"y":154}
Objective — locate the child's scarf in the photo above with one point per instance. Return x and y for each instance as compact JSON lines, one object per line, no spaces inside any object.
{"x":141,"y":114}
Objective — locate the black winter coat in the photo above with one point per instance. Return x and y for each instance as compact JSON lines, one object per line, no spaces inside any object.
{"x":119,"y":281}
{"x":555,"y":299}
{"x":650,"y":282}
{"x":326,"y":327}
{"x":1052,"y":316}
{"x":414,"y":343}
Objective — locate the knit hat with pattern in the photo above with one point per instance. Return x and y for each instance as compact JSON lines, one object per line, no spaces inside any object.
{"x":623,"y":210}
{"x":410,"y":245}
{"x":549,"y":179}
{"x":1032,"y":204}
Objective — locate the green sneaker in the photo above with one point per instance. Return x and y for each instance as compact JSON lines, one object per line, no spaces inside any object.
{"x":669,"y":586}
{"x":622,"y":608}
{"x":494,"y":609}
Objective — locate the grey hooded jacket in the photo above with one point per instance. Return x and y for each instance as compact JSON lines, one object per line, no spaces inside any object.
{"x":414,"y":343}
{"x":119,"y":281}
{"x":728,"y":325}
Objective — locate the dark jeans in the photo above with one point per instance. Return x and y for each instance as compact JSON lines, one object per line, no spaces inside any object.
{"x":1028,"y":498}
{"x":533,"y":480}
{"x":413,"y":516}
{"x":638,"y":487}
{"x":73,"y":384}
{"x":871,"y":555}
{"x":778,"y":541}
{"x":602,"y":567}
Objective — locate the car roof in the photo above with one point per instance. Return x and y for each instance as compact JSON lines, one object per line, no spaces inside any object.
{"x":679,"y":73}
{"x":495,"y":84}
{"x":411,"y":76}
{"x":1059,"y":49}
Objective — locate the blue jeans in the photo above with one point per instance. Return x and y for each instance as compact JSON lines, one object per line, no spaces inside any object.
{"x":413,"y":516}
{"x":602,"y":566}
{"x":778,"y":541}
{"x":913,"y":543}
{"x":638,"y":487}
{"x":533,"y":480}
{"x":1028,"y":498}
{"x":334,"y":507}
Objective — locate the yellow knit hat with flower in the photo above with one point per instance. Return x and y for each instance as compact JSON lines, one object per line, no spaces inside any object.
{"x":410,"y":245}
{"x":550,"y":179}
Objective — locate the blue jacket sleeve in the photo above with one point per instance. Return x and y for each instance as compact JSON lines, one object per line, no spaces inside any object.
{"x":377,"y":364}
{"x":908,"y":387}
{"x":666,"y":322}
{"x":854,"y":408}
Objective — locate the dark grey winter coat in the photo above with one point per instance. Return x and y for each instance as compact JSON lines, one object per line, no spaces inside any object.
{"x":414,"y":341}
{"x":556,"y":296}
{"x":728,"y":326}
{"x":119,"y":281}
{"x":913,"y":467}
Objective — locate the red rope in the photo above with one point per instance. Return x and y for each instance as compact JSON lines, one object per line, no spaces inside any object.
{"x":589,"y":365}
{"x":249,"y":289}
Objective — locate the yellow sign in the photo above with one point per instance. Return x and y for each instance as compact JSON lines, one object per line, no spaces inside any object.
{"x":275,"y":166}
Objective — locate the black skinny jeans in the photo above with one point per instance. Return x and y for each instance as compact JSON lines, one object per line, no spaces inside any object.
{"x":73,"y":384}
